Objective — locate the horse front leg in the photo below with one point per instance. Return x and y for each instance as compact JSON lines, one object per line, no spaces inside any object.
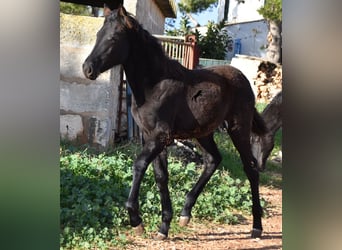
{"x":162,"y":176}
{"x":150,"y":150}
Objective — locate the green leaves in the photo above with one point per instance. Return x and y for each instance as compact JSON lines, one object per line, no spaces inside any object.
{"x":216,"y":42}
{"x":272,"y":10}
{"x":93,"y":191}
{"x":195,"y":6}
{"x":94,"y":188}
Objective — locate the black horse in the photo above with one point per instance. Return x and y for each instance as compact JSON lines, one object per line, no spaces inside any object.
{"x":174,"y":102}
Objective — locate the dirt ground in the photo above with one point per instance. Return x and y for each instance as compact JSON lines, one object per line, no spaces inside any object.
{"x":217,"y":237}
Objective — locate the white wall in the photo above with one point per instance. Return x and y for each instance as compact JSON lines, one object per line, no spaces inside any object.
{"x":243,"y":12}
{"x":245,"y":23}
{"x":253,"y":37}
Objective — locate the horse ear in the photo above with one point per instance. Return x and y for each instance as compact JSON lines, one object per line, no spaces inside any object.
{"x":106,"y":10}
{"x":109,"y":7}
{"x":122,"y":11}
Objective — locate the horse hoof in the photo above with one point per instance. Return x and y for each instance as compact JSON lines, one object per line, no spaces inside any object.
{"x":159,"y":236}
{"x":184,"y":220}
{"x":139,"y":230}
{"x":256,"y":233}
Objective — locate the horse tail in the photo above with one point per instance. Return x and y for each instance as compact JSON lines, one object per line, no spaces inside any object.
{"x":258,"y":125}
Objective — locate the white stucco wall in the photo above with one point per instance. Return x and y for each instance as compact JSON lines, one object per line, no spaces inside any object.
{"x":239,"y":11}
{"x":244,"y":22}
{"x":253,"y":37}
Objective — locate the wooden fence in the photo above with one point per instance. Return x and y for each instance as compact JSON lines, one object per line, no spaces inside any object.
{"x":183,"y":49}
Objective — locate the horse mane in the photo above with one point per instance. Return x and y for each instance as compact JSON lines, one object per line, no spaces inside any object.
{"x":170,"y":68}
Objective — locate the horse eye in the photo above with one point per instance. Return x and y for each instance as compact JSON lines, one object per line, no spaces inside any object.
{"x":110,"y":37}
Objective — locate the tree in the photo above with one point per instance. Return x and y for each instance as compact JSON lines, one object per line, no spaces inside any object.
{"x":75,"y":9}
{"x":184,"y":28}
{"x":189,"y":7}
{"x":272,"y":12}
{"x":215,"y":43}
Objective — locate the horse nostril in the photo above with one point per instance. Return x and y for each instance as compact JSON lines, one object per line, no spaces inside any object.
{"x":88,"y":70}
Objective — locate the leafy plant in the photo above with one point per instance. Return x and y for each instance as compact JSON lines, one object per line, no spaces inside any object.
{"x":94,"y":188}
{"x":272,"y":10}
{"x":183,"y":30}
{"x":93,"y":192}
{"x":75,"y":9}
{"x":216,"y":42}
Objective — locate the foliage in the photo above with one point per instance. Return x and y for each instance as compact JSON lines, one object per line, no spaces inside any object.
{"x":94,"y":188}
{"x":272,"y":10}
{"x":195,"y":6}
{"x":189,"y":7}
{"x":215,"y":43}
{"x":75,"y":9}
{"x":183,"y":30}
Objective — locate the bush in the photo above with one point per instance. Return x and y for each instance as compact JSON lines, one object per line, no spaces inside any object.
{"x":215,"y":43}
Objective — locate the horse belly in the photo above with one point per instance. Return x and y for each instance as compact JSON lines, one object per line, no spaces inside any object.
{"x":204,"y":112}
{"x":206,"y":102}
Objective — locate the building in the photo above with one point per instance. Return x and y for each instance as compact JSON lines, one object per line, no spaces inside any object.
{"x":245,"y":25}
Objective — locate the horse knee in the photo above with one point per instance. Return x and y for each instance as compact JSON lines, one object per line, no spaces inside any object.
{"x":167,"y":215}
{"x":251,"y":169}
{"x":139,"y":167}
{"x":213,"y":161}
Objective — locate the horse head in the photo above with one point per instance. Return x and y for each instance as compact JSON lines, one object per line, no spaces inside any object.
{"x":112,"y":46}
{"x":261,"y":148}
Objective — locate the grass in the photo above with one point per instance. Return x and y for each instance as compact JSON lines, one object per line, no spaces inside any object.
{"x":231,"y":161}
{"x":94,"y":188}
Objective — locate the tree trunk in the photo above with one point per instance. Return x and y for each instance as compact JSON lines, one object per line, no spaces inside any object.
{"x":274,"y":49}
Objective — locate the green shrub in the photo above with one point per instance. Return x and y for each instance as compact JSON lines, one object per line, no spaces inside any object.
{"x":92,"y":195}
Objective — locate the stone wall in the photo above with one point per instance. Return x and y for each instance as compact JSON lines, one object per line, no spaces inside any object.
{"x":88,"y":109}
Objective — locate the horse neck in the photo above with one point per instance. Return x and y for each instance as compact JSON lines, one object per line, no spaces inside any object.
{"x":144,"y":67}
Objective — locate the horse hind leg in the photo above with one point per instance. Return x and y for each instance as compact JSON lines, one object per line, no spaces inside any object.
{"x":212,"y":159}
{"x":240,"y":135}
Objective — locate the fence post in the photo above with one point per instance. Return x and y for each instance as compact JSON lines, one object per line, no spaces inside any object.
{"x":192,"y":56}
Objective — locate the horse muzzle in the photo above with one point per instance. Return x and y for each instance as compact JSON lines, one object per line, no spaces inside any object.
{"x":88,"y":71}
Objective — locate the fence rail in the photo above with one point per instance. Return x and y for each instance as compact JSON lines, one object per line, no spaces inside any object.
{"x":183,"y":49}
{"x":205,"y":62}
